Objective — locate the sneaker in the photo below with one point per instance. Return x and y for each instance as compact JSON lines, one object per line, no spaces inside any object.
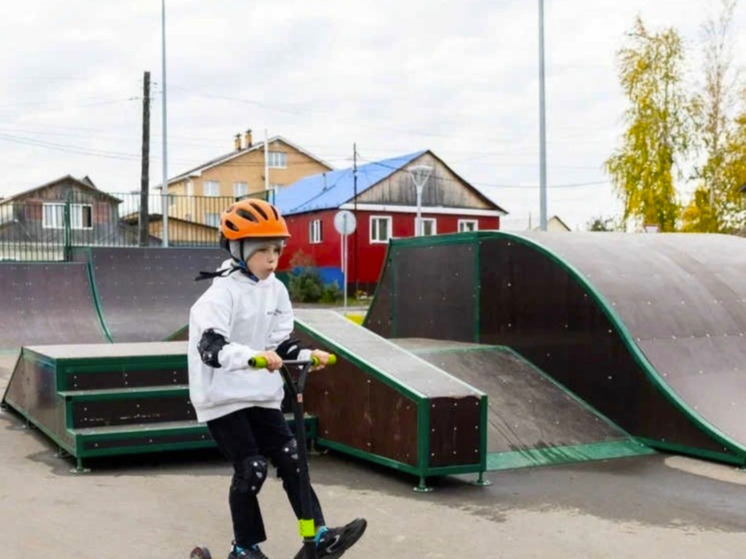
{"x":251,"y":553}
{"x":335,"y":541}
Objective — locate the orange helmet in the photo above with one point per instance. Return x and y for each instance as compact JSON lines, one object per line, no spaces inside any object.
{"x":252,"y":218}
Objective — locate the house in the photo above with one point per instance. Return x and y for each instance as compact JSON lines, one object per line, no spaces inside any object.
{"x":383,"y":197}
{"x":38,"y":217}
{"x":180,"y":232}
{"x":248,"y":169}
{"x":554,"y":225}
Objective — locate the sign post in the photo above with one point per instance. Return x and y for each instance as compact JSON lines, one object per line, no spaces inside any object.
{"x":344,"y":223}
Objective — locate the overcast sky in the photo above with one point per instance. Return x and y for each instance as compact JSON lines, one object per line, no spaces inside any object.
{"x":458,"y":77}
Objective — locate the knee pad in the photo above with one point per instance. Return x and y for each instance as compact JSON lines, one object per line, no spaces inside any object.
{"x":249,"y":475}
{"x":286,"y":459}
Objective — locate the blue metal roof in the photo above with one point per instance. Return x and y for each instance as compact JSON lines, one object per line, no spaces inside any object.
{"x":332,"y":189}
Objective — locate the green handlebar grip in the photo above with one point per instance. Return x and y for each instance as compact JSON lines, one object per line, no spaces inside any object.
{"x":258,"y":362}
{"x":331,"y":361}
{"x":261,"y":362}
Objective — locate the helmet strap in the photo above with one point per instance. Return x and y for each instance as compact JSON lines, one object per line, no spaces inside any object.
{"x":241,"y":262}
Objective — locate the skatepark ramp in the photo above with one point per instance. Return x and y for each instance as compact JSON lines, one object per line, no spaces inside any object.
{"x":531,"y":421}
{"x":114,"y":294}
{"x":47,"y":303}
{"x":647,"y":330}
{"x":144,"y":293}
{"x":386,"y":405}
{"x":380,"y":402}
{"x":96,"y":400}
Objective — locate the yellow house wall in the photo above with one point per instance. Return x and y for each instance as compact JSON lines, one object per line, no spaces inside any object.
{"x":178,"y":231}
{"x":247,"y":167}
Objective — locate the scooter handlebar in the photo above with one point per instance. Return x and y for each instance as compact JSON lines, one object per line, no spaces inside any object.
{"x":261,"y":362}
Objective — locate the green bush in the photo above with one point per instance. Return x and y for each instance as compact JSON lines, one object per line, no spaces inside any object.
{"x":331,"y":293}
{"x":305,"y":286}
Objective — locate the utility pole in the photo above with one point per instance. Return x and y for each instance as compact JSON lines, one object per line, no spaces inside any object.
{"x":266,"y":167}
{"x":164,"y":182}
{"x":144,"y":221}
{"x":354,"y":213}
{"x":542,"y":126}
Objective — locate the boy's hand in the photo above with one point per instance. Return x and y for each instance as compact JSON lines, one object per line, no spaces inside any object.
{"x":323,"y":358}
{"x":274,"y":361}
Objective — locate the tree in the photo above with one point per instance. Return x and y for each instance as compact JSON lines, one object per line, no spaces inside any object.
{"x":658,"y":130}
{"x":600,"y":223}
{"x":715,"y":201}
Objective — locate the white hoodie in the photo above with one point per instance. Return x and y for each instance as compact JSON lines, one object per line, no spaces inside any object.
{"x":253,"y":317}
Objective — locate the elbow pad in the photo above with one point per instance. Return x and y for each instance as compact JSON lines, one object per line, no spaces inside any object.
{"x":289,"y":349}
{"x":209,"y":347}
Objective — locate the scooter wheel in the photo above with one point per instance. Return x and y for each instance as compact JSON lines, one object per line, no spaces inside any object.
{"x":200,"y":553}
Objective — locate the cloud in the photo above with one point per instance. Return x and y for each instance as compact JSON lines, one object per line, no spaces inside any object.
{"x":460,"y":78}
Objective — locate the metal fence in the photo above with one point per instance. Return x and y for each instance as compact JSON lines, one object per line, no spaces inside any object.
{"x":45,"y":228}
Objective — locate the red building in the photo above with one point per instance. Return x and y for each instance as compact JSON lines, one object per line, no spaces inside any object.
{"x":383,"y":198}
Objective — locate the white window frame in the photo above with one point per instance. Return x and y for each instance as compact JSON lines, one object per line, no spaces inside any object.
{"x":212,"y":219}
{"x":315,"y":232}
{"x":374,"y":220}
{"x":76,"y":216}
{"x":277,"y":160}
{"x":423,"y":221}
{"x":463,"y":224}
{"x":56,"y":211}
{"x":53,"y":216}
{"x":240,"y":189}
{"x":211,"y":189}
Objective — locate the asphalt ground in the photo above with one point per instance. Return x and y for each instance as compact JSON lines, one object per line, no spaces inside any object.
{"x":160,"y":506}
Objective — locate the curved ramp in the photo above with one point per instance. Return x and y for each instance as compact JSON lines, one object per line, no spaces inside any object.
{"x":647,"y":329}
{"x":145,"y":293}
{"x":47,"y":303}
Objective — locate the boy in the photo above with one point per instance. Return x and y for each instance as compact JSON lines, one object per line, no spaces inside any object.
{"x":246,"y":313}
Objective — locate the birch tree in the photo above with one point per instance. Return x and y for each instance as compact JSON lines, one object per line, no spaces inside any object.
{"x":658,"y":132}
{"x":716,"y":200}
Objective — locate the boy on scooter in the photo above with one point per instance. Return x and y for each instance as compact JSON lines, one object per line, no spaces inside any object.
{"x":246,"y":313}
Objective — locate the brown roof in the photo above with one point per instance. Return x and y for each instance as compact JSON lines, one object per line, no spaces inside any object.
{"x":85,"y":182}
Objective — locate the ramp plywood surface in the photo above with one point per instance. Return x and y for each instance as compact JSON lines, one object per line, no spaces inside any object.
{"x":47,"y":304}
{"x":384,"y":355}
{"x":145,"y":293}
{"x":527,"y":410}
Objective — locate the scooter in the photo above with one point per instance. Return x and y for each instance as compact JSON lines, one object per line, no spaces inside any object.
{"x":294,"y":387}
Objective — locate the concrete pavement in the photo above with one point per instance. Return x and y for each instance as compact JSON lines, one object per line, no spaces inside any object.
{"x":159,"y":506}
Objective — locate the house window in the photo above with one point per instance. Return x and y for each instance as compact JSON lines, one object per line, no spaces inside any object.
{"x":54,"y":216}
{"x":81,"y":216}
{"x":380,"y":229}
{"x":212,"y":219}
{"x":277,"y":160}
{"x":428,"y":226}
{"x":211,"y":188}
{"x":240,"y":189}
{"x":314,"y":231}
{"x":467,"y":225}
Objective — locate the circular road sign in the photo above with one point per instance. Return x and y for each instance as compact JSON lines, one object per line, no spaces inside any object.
{"x":344,"y":222}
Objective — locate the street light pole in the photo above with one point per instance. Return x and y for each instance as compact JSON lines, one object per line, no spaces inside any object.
{"x":419,"y":174}
{"x":542,"y":126}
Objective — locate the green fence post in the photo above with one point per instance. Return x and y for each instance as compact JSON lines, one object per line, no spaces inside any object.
{"x":67,"y":249}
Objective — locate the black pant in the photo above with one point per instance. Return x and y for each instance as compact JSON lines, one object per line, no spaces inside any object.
{"x":251,"y":432}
